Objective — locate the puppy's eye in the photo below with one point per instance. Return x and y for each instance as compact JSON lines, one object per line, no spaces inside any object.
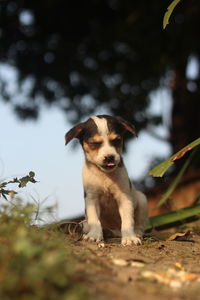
{"x":95,"y":145}
{"x":116,"y":142}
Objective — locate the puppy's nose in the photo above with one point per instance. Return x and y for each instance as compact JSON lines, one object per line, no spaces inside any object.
{"x":109,"y":159}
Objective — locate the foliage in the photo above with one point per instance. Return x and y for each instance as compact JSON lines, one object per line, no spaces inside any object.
{"x":177,"y":179}
{"x":174,"y":218}
{"x":93,"y":54}
{"x":36,"y":263}
{"x":169,"y":12}
{"x":160,"y":170}
{"x":22,"y":182}
{"x":112,"y":51}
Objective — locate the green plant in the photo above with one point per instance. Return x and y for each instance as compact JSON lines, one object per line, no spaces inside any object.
{"x":162,"y":168}
{"x":36,"y":262}
{"x":169,"y":12}
{"x":22,"y":182}
{"x":174,"y":218}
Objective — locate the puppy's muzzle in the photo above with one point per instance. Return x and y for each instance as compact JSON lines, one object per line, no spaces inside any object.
{"x":109,"y":162}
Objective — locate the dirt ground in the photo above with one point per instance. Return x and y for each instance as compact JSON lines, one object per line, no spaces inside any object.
{"x":157,"y":269}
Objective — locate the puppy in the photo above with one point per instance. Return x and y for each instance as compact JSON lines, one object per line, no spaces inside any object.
{"x":111,"y":200}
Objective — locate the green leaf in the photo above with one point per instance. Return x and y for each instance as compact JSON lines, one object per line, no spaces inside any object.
{"x":177,"y":179}
{"x":31,"y":174}
{"x":169,"y":12}
{"x":24,"y":180}
{"x":171,"y":219}
{"x":160,"y":169}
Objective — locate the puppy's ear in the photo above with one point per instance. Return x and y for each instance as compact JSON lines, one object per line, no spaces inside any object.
{"x":127,"y":126}
{"x":74,"y":132}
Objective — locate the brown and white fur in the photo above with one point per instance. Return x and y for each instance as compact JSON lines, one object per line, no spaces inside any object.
{"x":111,"y":200}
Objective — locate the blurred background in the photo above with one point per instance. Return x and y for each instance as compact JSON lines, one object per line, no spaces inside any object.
{"x":62,"y":61}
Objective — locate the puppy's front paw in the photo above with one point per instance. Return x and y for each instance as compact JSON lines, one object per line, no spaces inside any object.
{"x":94,"y":236}
{"x":139,"y":233}
{"x":127,"y":241}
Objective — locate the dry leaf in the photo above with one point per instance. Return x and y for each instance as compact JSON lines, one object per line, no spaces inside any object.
{"x":179,"y":266}
{"x":181,"y":153}
{"x":179,"y":235}
{"x":120,"y":262}
{"x":191,"y":276}
{"x":160,"y":277}
{"x":172,"y":277}
{"x":138,"y":263}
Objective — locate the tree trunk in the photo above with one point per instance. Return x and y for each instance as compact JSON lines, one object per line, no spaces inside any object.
{"x":185,"y":111}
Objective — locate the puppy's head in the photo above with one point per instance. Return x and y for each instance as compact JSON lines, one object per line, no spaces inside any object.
{"x":102,"y":139}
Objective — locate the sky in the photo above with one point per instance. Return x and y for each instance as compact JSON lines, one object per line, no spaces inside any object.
{"x":39,"y":146}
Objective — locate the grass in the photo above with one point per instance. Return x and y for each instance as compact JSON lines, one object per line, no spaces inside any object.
{"x":36,"y":263}
{"x":174,"y":218}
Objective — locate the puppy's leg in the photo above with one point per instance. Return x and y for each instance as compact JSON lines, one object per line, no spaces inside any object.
{"x":126,"y":211}
{"x":94,"y":231}
{"x":140,"y":213}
